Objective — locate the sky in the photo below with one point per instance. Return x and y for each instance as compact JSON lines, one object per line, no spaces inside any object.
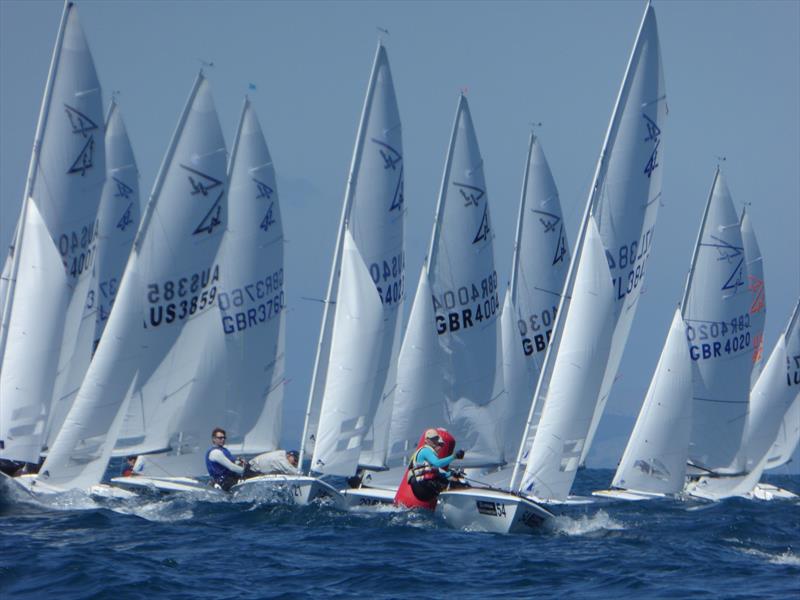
{"x":732,"y":73}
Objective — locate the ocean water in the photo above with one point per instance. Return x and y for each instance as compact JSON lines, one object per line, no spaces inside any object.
{"x":179,"y":547}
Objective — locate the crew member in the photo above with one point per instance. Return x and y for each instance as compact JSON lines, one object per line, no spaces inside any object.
{"x":427,"y":474}
{"x":277,"y":462}
{"x":222,"y":468}
{"x":127,"y":468}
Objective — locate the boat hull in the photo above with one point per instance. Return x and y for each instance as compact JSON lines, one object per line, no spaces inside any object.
{"x":367,"y":496}
{"x":492,"y":511}
{"x":33,"y":486}
{"x":628,"y":495}
{"x":167,"y":485}
{"x":299,"y":490}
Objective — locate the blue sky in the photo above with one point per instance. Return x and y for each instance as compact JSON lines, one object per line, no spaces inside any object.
{"x":732,"y":72}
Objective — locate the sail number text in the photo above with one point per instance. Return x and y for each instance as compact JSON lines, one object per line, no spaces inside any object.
{"x":537,"y":342}
{"x":633,"y":258}
{"x":252,"y":303}
{"x":476,"y":302}
{"x":79,"y":246}
{"x":178,"y":299}
{"x":712,"y":339}
{"x":389,"y":278}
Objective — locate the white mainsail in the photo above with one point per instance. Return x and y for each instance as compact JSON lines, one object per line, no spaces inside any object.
{"x":755,"y":284}
{"x":117,"y":220}
{"x":372,"y":214}
{"x":466,"y":303}
{"x":716,"y":310}
{"x":654,"y":460}
{"x":539,"y":267}
{"x":253,"y":267}
{"x":621,"y":210}
{"x":52,"y":260}
{"x":169,"y":282}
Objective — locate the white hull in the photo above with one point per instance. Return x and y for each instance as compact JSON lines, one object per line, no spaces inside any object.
{"x":367,"y":496}
{"x":493,"y":511}
{"x":767,"y":491}
{"x":35,"y":487}
{"x":628,"y":495}
{"x":299,"y":490}
{"x":139,"y":483}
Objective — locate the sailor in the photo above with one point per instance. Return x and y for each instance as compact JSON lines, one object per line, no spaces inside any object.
{"x":224,"y":471}
{"x":128,"y":467}
{"x":427,"y":473}
{"x":277,"y":462}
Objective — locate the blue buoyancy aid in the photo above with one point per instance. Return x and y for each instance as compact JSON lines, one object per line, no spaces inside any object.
{"x":216,"y":470}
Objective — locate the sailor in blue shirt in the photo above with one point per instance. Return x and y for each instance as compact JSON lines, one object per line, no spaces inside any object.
{"x":222,"y":467}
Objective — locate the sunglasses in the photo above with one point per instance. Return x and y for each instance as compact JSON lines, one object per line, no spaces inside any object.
{"x":219,"y":437}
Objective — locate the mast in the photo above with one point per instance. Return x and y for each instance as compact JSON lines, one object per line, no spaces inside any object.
{"x":518,"y":237}
{"x":563,"y":304}
{"x":321,"y":359}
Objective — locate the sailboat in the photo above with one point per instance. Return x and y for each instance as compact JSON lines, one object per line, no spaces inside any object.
{"x":449,"y":368}
{"x":170,"y":280}
{"x":117,"y":221}
{"x":654,"y":461}
{"x":600,"y":297}
{"x":55,"y":247}
{"x":242,"y":368}
{"x":353,"y":377}
{"x":775,"y":392}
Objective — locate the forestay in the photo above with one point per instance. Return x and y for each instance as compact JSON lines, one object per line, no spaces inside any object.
{"x":655,"y":458}
{"x":117,"y":220}
{"x":373,"y":213}
{"x":170,"y":280}
{"x":622,"y":207}
{"x":719,"y":328}
{"x":539,"y":267}
{"x":465,"y":299}
{"x":55,"y":241}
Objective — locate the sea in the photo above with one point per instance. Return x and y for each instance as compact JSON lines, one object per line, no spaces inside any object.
{"x":72,"y":546}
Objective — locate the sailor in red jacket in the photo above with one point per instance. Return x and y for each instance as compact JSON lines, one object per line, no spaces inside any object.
{"x":427,"y":474}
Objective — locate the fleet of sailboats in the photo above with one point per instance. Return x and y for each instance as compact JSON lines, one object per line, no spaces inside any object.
{"x":162,"y":325}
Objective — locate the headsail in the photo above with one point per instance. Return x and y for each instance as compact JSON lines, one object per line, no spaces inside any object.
{"x":419,"y":400}
{"x":169,"y":282}
{"x":655,"y":457}
{"x":540,"y":262}
{"x":54,"y":243}
{"x":622,"y":207}
{"x":373,"y":214}
{"x":465,"y":298}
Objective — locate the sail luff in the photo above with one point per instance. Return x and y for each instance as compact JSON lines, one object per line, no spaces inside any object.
{"x":321,"y":360}
{"x":437,"y":219}
{"x":696,"y":251}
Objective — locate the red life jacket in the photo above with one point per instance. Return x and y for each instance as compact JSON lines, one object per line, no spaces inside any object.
{"x":405,"y":496}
